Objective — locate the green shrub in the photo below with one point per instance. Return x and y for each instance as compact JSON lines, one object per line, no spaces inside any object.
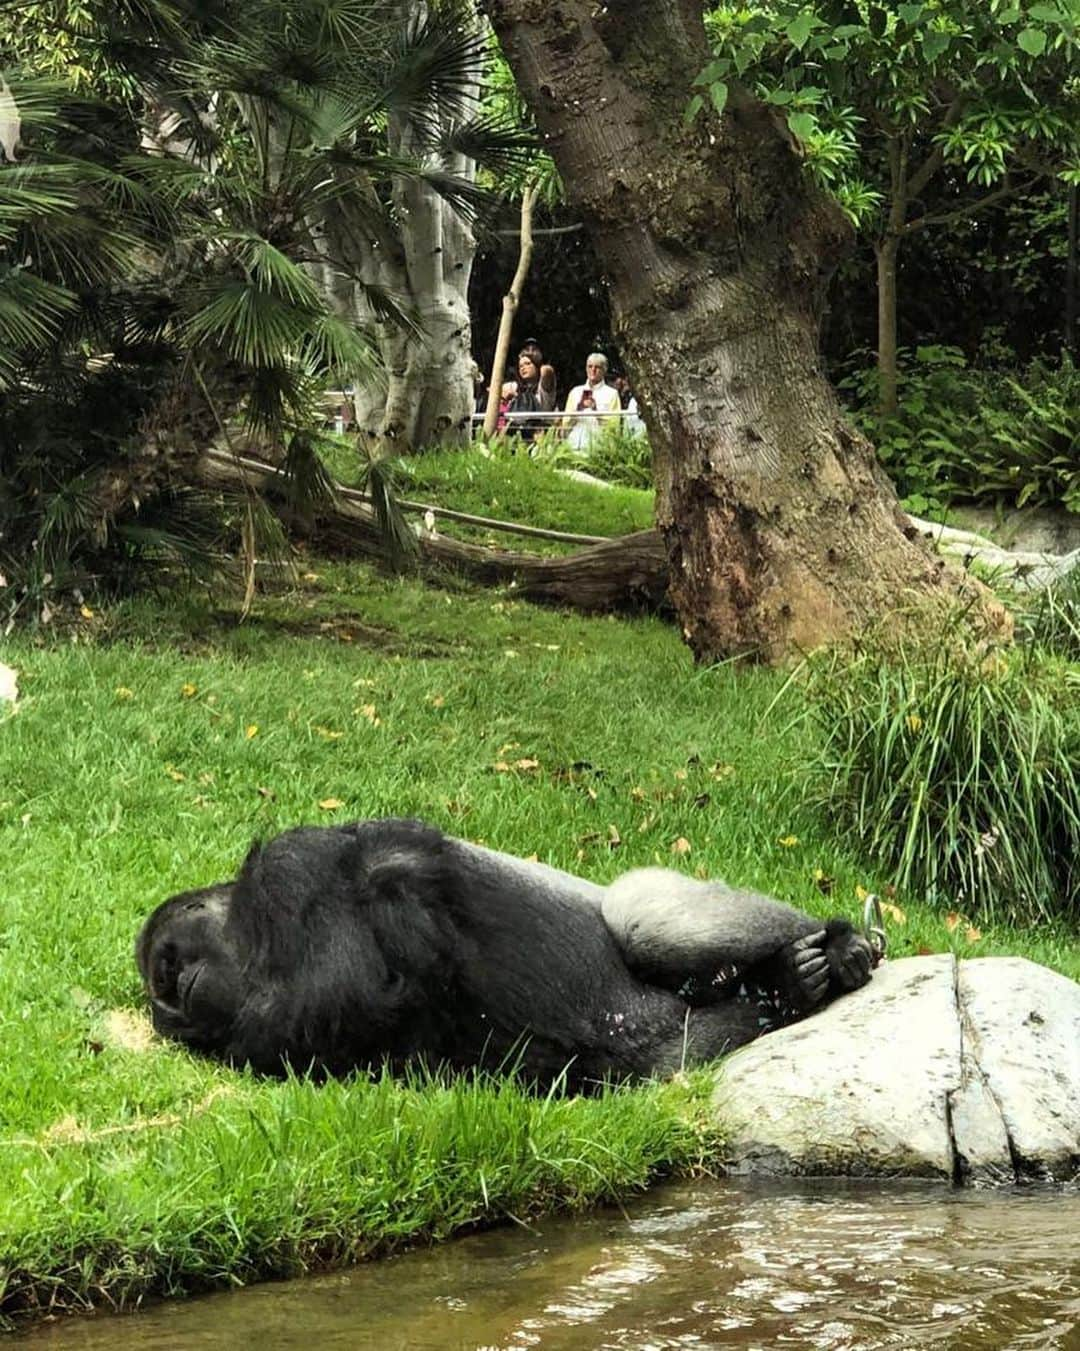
{"x":614,"y":454}
{"x":962,"y":434}
{"x":957,"y":769}
{"x":1051,"y":618}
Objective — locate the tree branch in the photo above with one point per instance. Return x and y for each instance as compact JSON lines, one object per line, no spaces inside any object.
{"x":965,"y":212}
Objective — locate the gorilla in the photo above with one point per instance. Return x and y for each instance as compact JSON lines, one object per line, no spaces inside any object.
{"x":386,"y":942}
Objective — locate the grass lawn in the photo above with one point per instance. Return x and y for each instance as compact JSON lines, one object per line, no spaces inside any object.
{"x":151,"y":746}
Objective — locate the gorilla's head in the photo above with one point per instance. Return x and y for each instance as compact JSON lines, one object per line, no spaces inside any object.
{"x":191,"y":969}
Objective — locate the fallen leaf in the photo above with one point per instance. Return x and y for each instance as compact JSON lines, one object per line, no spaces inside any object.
{"x":368,"y":711}
{"x":122,"y":692}
{"x":189,"y":691}
{"x":86,"y":612}
{"x":175,"y":774}
{"x":527,"y":764}
{"x":972,"y":934}
{"x":328,"y":735}
{"x":637,"y":794}
{"x":252,"y":730}
{"x":788,"y":841}
{"x":331,"y":804}
{"x":267,"y":793}
{"x":681,"y":845}
{"x":893,"y":912}
{"x":9,"y":684}
{"x":437,"y":701}
{"x":614,"y":838}
{"x":680,"y":774}
{"x":952,"y":919}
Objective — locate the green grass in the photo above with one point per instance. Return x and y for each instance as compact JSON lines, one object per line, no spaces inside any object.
{"x":502,"y":482}
{"x":151,"y":743}
{"x":959,"y":768}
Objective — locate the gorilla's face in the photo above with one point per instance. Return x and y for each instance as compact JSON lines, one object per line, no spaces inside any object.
{"x":190,"y":968}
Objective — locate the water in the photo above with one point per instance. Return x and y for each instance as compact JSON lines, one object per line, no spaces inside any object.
{"x":708,"y":1265}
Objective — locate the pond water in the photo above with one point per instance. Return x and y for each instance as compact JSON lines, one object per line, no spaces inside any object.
{"x":707,"y":1265}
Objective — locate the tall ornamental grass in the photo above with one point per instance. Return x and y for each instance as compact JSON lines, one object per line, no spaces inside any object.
{"x":957,"y":770}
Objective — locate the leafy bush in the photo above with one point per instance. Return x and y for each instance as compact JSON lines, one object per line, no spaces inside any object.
{"x":1051,"y":618}
{"x":962,"y":434}
{"x":615,"y":454}
{"x":958,"y":768}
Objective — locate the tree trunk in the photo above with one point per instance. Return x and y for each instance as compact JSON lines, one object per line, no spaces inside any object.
{"x":421,"y":252}
{"x":780,"y":530}
{"x":625,"y":574}
{"x":886,"y":251}
{"x":510,"y":303}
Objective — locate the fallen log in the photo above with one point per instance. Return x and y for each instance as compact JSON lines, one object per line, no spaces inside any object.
{"x":628,"y":573}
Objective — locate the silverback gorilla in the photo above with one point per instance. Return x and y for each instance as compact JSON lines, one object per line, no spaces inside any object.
{"x":388,"y":942}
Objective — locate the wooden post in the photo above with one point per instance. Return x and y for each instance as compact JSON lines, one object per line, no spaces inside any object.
{"x":509,"y":309}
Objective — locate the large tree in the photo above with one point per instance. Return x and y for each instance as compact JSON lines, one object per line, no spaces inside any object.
{"x":781,"y":532}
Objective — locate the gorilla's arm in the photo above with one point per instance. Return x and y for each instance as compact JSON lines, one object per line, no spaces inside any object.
{"x":681,"y":933}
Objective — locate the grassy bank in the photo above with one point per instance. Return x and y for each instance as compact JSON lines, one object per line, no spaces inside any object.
{"x":153,"y":742}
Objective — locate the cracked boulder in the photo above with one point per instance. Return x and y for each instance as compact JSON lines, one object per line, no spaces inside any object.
{"x":964,"y":1071}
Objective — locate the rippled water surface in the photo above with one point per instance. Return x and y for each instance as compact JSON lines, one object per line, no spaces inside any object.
{"x":701,"y":1266}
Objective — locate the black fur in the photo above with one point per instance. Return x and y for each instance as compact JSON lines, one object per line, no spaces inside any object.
{"x":388,"y":942}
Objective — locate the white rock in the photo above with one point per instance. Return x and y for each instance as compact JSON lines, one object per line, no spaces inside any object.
{"x":966,"y":1072}
{"x":1022,"y":1025}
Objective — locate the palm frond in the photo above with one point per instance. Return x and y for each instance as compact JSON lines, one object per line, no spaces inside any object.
{"x":434,"y":65}
{"x":309,"y":486}
{"x":500,"y":145}
{"x":379,"y":480}
{"x":31,"y":311}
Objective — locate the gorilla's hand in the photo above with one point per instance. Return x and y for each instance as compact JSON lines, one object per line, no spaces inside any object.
{"x":804,"y":972}
{"x":849,"y":955}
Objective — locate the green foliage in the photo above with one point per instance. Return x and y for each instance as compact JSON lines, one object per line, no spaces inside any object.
{"x":965,"y":435}
{"x":615,"y":454}
{"x":1051,"y":618}
{"x":150,"y":299}
{"x":981,"y":86}
{"x":958,"y":767}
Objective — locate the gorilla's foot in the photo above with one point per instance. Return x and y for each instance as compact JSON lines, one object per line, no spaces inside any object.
{"x":850,"y":956}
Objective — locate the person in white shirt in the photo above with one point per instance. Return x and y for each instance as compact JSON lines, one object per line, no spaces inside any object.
{"x":603,"y":398}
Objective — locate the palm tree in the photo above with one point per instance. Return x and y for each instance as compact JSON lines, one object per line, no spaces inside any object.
{"x":174,"y":248}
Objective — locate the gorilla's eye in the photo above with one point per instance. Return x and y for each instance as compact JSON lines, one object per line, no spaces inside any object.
{"x":165,"y":972}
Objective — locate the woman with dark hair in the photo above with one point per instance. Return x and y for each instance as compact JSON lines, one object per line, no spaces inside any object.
{"x":533,"y":391}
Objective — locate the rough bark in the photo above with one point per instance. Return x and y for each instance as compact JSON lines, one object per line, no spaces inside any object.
{"x":780,"y":530}
{"x":625,"y":574}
